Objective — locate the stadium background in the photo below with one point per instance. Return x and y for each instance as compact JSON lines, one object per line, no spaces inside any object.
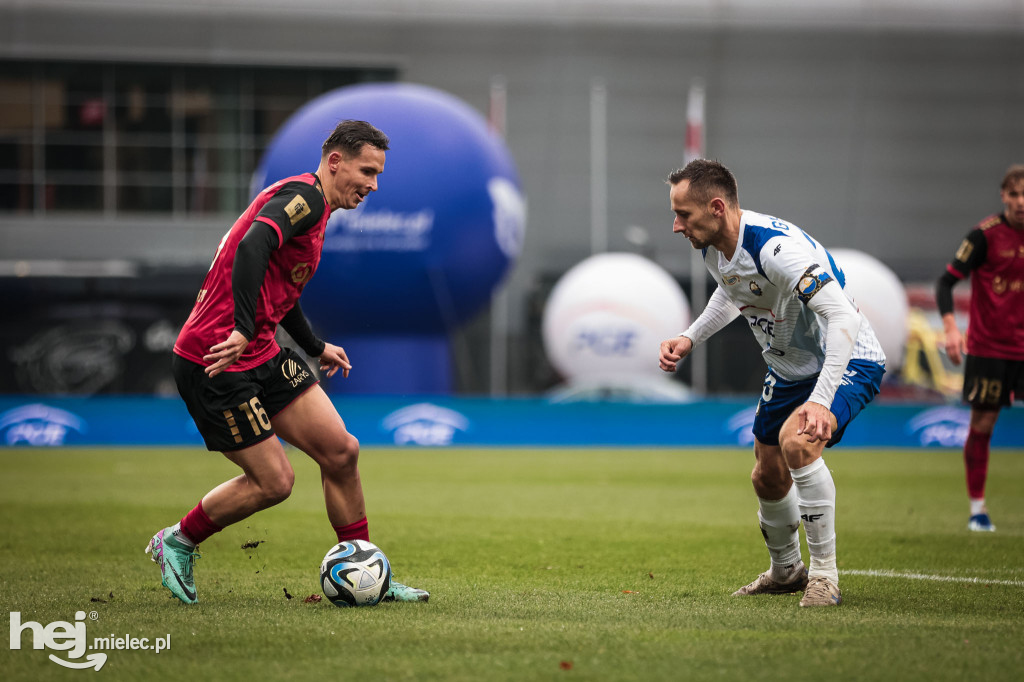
{"x":129,"y":132}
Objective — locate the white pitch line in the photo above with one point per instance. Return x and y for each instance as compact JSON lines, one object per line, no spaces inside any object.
{"x":936,"y":578}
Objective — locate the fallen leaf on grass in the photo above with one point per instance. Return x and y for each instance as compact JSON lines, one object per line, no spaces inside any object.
{"x":286,"y":595}
{"x":252,"y":544}
{"x":312,"y":599}
{"x":565,"y":665}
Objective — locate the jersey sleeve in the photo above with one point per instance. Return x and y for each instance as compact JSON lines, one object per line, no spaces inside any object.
{"x":719,"y":312}
{"x":247,"y":273}
{"x":293,"y":209}
{"x":842,"y":324}
{"x":297,"y":325}
{"x":791,"y":266}
{"x":971,"y":253}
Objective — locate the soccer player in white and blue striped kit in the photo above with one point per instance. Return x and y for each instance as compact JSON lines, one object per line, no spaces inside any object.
{"x":824,"y":366}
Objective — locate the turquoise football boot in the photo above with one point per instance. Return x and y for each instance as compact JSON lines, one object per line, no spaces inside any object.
{"x":400,"y":592}
{"x":175,"y":560}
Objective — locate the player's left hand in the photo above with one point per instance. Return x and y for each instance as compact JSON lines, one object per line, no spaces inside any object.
{"x":334,"y":358}
{"x":814,"y":421}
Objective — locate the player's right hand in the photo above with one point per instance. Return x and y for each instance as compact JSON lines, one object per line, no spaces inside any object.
{"x":674,"y":350}
{"x":224,"y":354}
{"x":954,"y":344}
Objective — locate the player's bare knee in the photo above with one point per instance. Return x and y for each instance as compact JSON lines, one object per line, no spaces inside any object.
{"x":277,"y":488}
{"x":343,"y":460}
{"x":797,"y":450}
{"x":770,"y":482}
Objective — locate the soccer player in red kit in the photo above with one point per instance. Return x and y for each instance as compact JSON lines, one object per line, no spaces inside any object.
{"x":242,"y":389}
{"x":993,"y":255}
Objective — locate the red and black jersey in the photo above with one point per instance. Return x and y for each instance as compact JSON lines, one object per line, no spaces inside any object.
{"x":993,"y":255}
{"x":297,"y":212}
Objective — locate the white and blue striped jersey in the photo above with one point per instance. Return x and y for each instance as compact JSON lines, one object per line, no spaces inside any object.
{"x":776,"y":269}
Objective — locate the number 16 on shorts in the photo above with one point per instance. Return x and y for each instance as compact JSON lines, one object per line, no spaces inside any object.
{"x":254,"y":413}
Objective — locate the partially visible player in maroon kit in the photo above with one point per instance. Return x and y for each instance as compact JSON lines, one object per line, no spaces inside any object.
{"x":992,"y":255}
{"x":242,"y":389}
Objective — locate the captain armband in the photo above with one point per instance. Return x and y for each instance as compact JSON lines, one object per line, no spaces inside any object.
{"x":811,"y":282}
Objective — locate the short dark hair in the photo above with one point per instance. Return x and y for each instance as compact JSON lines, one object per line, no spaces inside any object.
{"x":708,"y":179}
{"x":1013,"y":175}
{"x":349,"y":136}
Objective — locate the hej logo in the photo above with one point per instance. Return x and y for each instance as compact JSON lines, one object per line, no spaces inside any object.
{"x":71,"y":637}
{"x":59,"y":636}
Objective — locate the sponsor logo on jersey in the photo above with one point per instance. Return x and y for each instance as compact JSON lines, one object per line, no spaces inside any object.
{"x":778,"y":248}
{"x":1000,"y":285}
{"x":731,"y":279}
{"x":811,"y":518}
{"x":297,"y":209}
{"x":764,"y":324}
{"x":294,"y":372}
{"x":754,"y":289}
{"x":301,"y":273}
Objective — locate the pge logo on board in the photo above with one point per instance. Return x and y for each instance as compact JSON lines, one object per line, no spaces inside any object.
{"x":425,"y":424}
{"x":39,"y":425}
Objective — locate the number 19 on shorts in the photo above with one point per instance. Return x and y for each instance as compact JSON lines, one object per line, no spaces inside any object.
{"x":256,"y":415}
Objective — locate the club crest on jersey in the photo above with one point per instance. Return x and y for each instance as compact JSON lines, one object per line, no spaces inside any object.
{"x":301,"y":273}
{"x":754,"y":289}
{"x":731,"y":279}
{"x":811,"y":283}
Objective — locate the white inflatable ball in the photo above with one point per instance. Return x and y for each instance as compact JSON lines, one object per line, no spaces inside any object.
{"x":607,"y":316}
{"x":882,"y":298}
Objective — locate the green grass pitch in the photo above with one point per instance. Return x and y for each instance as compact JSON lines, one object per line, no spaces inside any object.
{"x":542,"y":565}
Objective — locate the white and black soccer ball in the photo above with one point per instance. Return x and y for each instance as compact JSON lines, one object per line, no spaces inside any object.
{"x":355,"y":573}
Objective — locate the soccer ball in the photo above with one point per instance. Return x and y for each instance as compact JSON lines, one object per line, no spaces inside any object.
{"x":355,"y":573}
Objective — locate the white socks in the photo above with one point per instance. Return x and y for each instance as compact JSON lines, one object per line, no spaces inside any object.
{"x":977,"y":506}
{"x":816,"y":494}
{"x":780,"y":525}
{"x":181,"y":537}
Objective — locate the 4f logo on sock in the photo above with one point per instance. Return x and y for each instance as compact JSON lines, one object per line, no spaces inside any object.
{"x":810,"y":518}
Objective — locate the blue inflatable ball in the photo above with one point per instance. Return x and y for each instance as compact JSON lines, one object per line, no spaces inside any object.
{"x":426,"y":251}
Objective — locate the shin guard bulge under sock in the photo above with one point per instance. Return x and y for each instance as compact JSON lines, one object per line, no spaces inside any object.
{"x":816,"y":493}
